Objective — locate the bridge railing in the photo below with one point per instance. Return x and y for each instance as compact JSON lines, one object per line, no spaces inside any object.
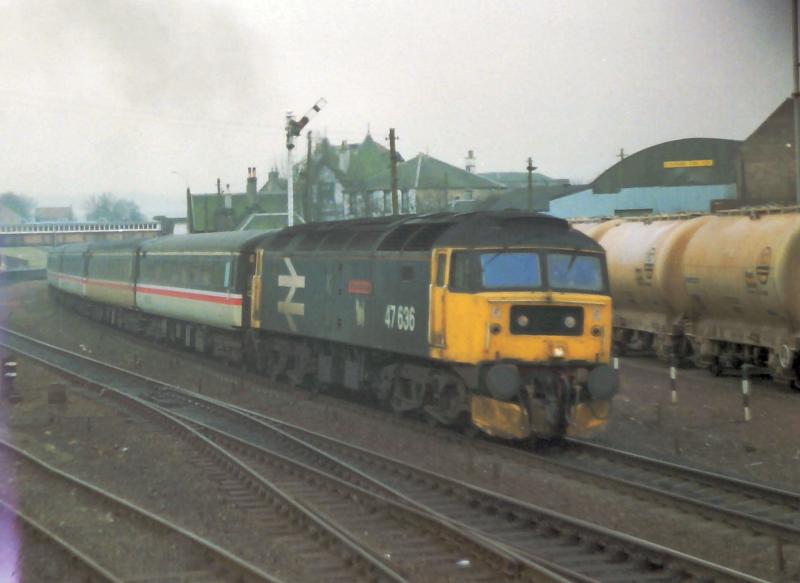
{"x":30,"y":228}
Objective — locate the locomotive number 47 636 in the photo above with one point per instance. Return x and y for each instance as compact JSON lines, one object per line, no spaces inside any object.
{"x":400,"y":317}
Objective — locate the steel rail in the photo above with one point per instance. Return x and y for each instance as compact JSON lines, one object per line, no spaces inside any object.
{"x":230,"y":562}
{"x":96,"y":570}
{"x":634,"y":547}
{"x":499,"y":504}
{"x":368,"y":563}
{"x":367,"y":487}
{"x":759,"y":507}
{"x":510,"y":562}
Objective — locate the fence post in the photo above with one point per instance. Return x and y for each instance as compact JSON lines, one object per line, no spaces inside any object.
{"x":746,"y":371}
{"x":673,"y":380}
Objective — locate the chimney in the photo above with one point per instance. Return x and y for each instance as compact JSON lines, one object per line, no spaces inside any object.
{"x":252,"y":186}
{"x":469,"y":161}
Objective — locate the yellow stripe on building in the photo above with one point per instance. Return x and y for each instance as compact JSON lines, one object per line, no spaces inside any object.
{"x":688,"y":163}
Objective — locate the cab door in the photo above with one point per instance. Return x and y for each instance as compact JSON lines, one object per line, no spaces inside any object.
{"x":437,"y":333}
{"x":254,"y":292}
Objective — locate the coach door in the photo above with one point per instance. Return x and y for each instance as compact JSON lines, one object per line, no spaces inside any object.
{"x":255,"y":290}
{"x":438,"y":295}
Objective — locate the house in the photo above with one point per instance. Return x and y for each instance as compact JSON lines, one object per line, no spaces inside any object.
{"x":337,"y":178}
{"x":766,"y":165}
{"x":425,"y":185}
{"x":53,"y":214}
{"x":225,"y":211}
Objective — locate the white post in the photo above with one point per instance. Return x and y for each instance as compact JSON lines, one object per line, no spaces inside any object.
{"x":746,"y":392}
{"x":289,"y":189}
{"x":673,"y":381}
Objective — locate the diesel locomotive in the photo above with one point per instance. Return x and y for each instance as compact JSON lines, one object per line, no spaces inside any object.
{"x":499,"y":321}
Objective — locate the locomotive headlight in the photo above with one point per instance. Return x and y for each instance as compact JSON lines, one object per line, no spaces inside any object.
{"x":523,"y":321}
{"x":570,"y":322}
{"x":558,"y":351}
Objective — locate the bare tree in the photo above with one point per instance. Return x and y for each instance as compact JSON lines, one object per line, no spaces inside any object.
{"x":19,"y":203}
{"x":108,"y":208}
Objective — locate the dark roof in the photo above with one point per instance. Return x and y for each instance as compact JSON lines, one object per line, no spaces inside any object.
{"x":208,"y":209}
{"x":517,"y":198}
{"x":223,"y":242}
{"x":53,"y":213}
{"x":518,"y":179}
{"x":122,"y":247}
{"x":274,"y":184}
{"x":647,"y":167}
{"x":420,"y":233}
{"x":423,"y":172}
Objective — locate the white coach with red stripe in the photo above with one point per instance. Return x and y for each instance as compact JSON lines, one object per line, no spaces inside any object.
{"x":198,"y":278}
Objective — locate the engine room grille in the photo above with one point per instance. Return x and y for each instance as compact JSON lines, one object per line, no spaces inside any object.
{"x":546,"y":320}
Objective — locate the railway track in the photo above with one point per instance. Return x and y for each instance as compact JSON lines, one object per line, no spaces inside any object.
{"x":82,"y":518}
{"x":758,"y":508}
{"x":761,"y":508}
{"x":36,"y":539}
{"x":525,"y":533}
{"x":397,"y":543}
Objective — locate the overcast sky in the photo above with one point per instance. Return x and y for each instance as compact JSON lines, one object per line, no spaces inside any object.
{"x":140,"y":98}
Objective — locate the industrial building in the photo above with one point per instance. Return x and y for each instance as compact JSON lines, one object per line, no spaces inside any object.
{"x":686,"y":175}
{"x":695,"y":175}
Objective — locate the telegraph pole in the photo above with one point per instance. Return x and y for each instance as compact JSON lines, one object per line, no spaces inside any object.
{"x":621,"y":154}
{"x":393,"y":165}
{"x":293,"y":129}
{"x":796,"y":101}
{"x":307,"y":197}
{"x":530,"y":169}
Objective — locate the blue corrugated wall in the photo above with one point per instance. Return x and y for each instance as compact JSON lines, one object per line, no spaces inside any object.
{"x":661,"y":199}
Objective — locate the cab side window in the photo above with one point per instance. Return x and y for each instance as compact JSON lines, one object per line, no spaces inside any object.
{"x":441,"y":263}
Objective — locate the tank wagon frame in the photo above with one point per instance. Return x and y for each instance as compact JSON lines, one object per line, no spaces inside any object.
{"x":398,"y":308}
{"x":717,"y":290}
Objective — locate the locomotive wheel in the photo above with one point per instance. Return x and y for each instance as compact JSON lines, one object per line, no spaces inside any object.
{"x":794,"y":384}
{"x":715,"y":369}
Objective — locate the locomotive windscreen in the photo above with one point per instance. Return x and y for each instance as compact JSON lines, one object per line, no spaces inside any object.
{"x":473,"y":271}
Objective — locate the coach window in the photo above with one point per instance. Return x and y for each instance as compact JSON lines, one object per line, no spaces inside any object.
{"x":227,"y":283}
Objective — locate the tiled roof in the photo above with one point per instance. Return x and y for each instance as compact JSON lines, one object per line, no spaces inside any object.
{"x":424,"y":172}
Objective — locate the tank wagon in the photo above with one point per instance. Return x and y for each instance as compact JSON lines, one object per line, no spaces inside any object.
{"x":494,"y":320}
{"x":720,"y":289}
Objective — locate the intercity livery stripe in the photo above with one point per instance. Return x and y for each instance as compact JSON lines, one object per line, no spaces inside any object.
{"x":191,"y":294}
{"x":110,"y":284}
{"x":73,"y":278}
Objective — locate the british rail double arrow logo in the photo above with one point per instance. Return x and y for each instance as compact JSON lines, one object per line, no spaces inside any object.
{"x":294,"y":282}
